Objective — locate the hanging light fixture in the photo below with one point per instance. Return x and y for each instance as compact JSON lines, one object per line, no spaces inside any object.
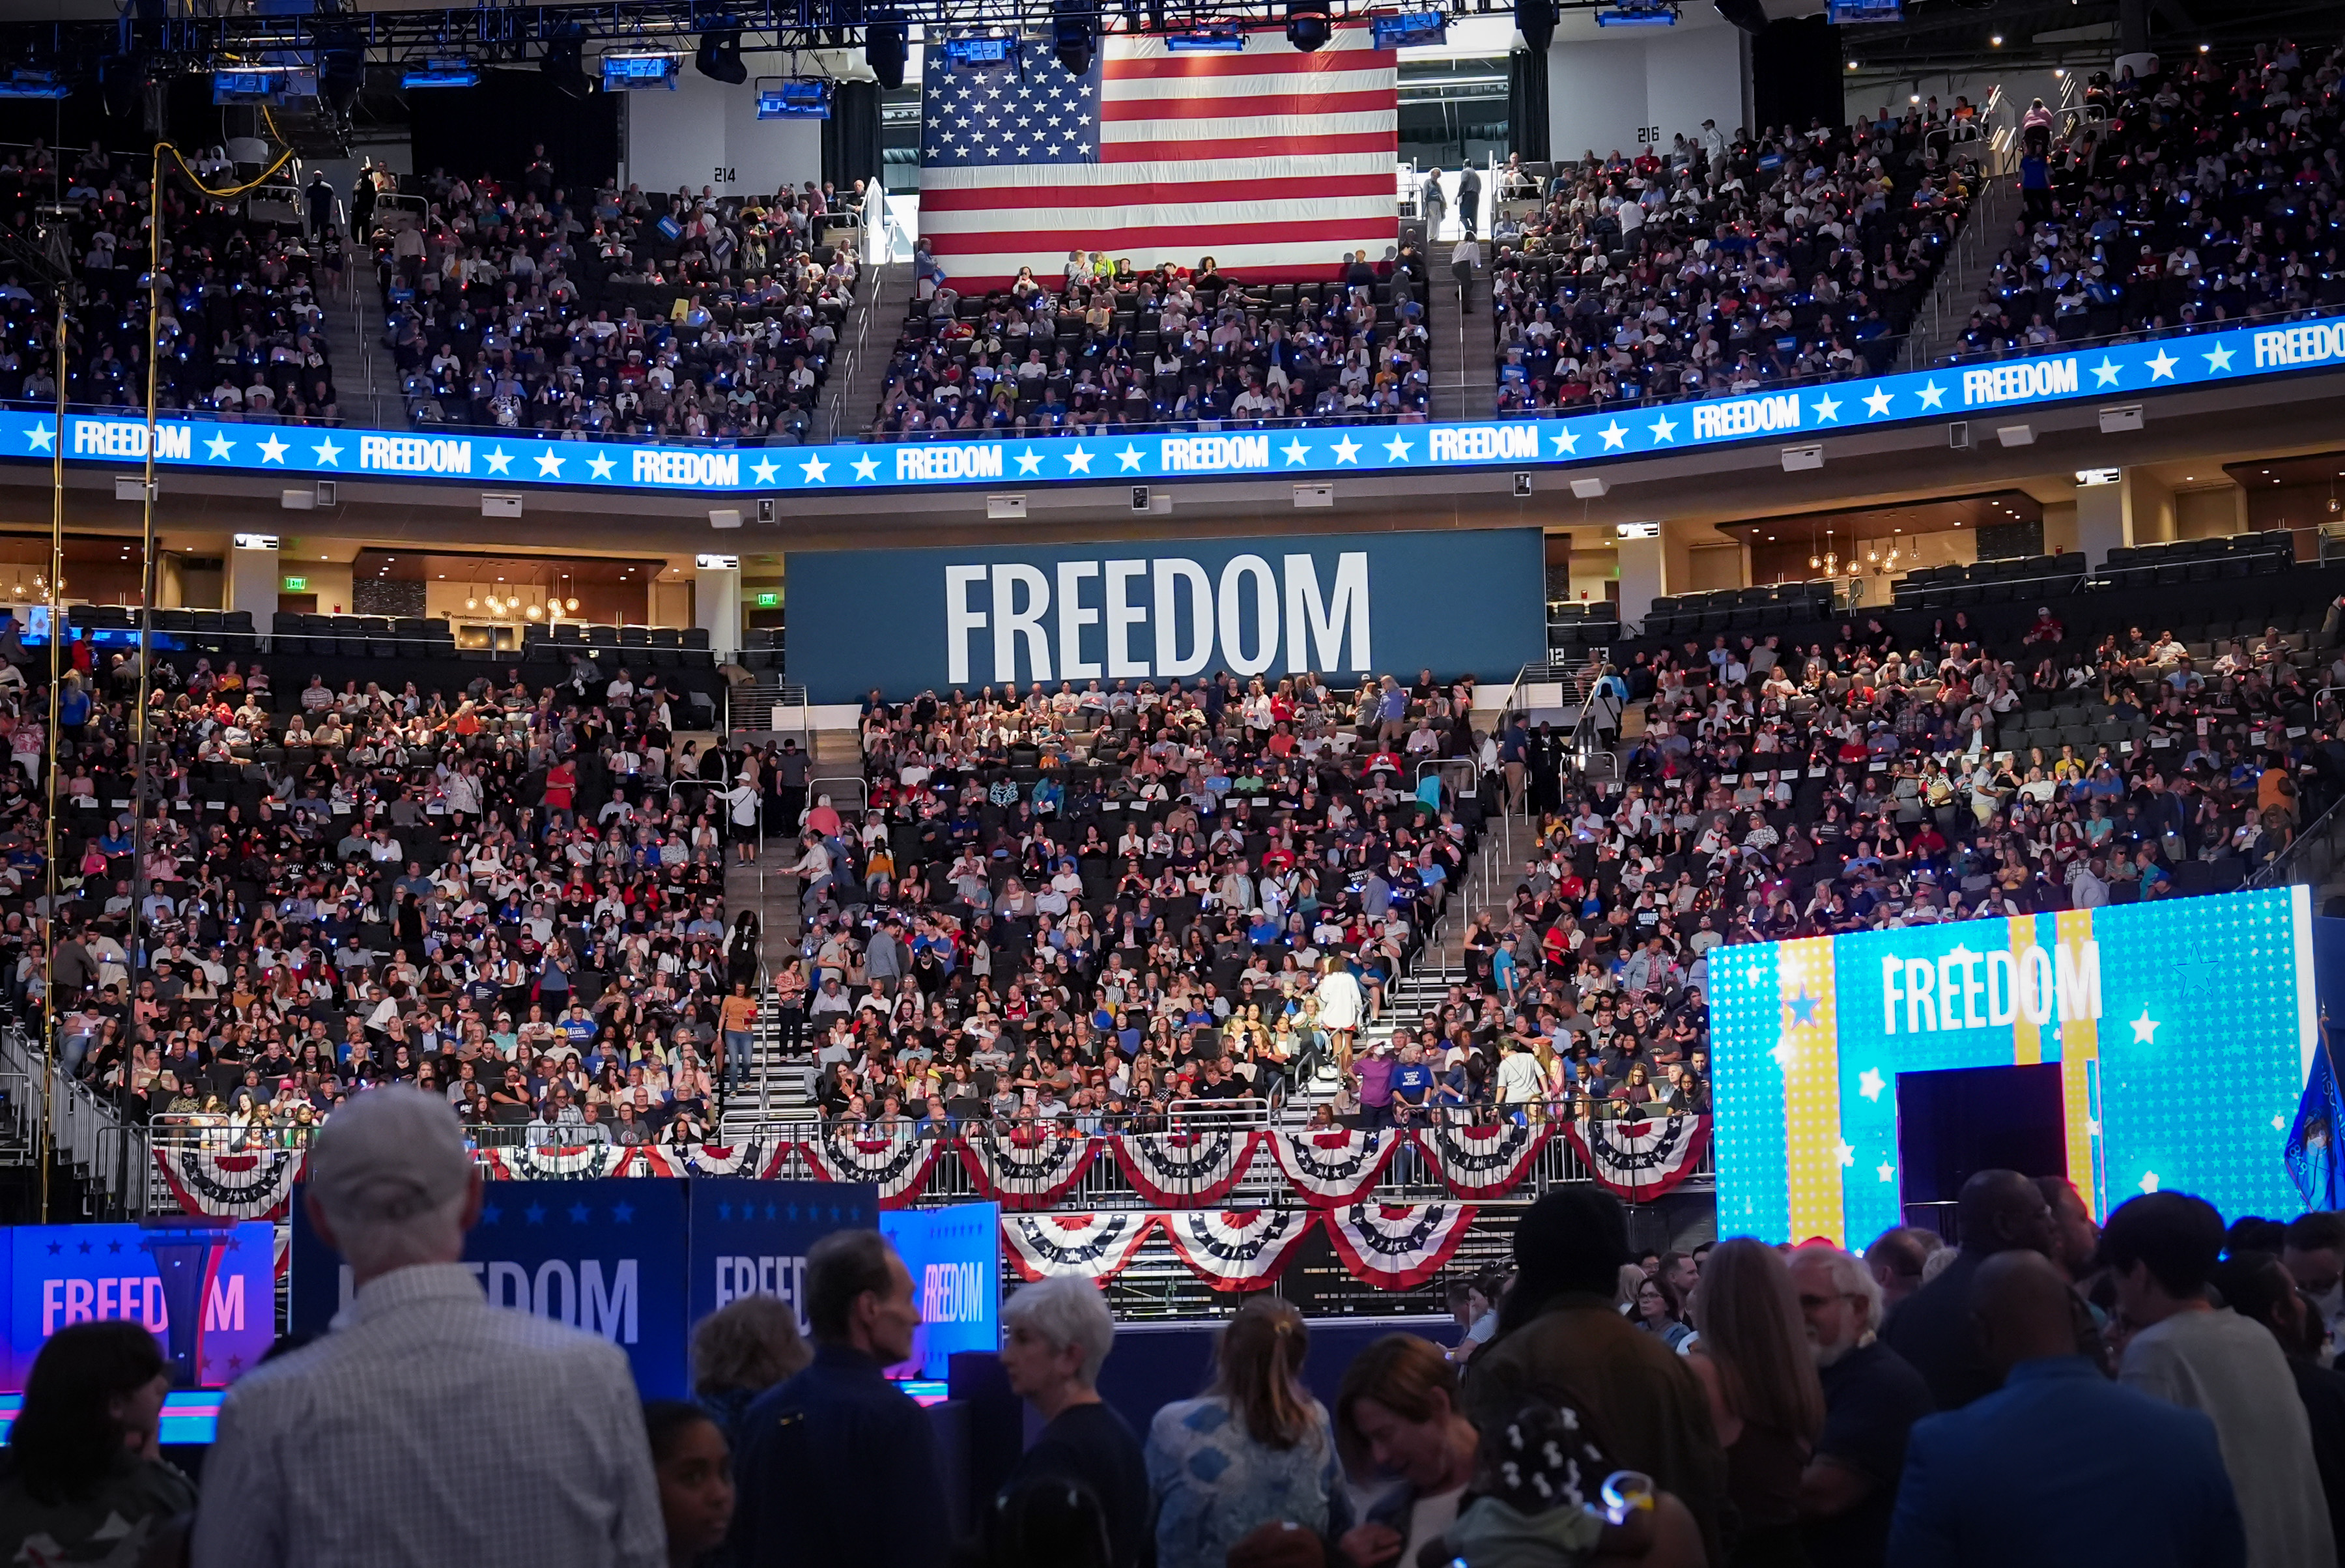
{"x":535,"y":612}
{"x":571,"y":603}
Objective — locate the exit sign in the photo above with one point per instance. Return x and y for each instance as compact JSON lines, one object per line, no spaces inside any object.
{"x":297,"y":585}
{"x":770,"y":601}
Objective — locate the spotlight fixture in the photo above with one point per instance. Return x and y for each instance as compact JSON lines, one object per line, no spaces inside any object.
{"x":565,"y":59}
{"x":1074,"y":34}
{"x":884,"y":48}
{"x":719,"y":56}
{"x":1309,"y":25}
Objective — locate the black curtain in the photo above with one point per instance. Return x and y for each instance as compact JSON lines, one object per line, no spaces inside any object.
{"x":491,"y":129}
{"x":1526,"y":121}
{"x":1796,"y":74}
{"x":850,"y":137}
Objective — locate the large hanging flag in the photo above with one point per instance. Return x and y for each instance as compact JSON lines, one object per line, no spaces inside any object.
{"x":1276,"y":163}
{"x":2311,"y":1148}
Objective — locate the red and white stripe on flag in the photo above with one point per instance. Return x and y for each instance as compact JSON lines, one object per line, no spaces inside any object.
{"x":1276,"y":163}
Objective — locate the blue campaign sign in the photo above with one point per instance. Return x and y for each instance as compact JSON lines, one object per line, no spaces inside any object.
{"x":955,"y":1257}
{"x":1346,"y":606}
{"x":1322,"y":451}
{"x":606,"y":1256}
{"x":208,"y":1292}
{"x":752,"y":1237}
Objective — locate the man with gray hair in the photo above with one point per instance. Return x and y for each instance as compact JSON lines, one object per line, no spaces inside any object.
{"x":1055,"y":1334}
{"x":428,"y":1428}
{"x":1873,"y":1397}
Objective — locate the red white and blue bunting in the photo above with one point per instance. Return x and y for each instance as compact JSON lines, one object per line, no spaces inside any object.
{"x":1025,"y":1167}
{"x":1088,"y":1245}
{"x":897,"y":1160}
{"x":1397,"y":1246}
{"x":560,"y":1162}
{"x":1641,"y":1160}
{"x":253,"y":1185}
{"x":1333,"y":1168}
{"x":1238,"y":1249}
{"x":764,"y":1157}
{"x":1176,"y":1170}
{"x":1483,"y":1162}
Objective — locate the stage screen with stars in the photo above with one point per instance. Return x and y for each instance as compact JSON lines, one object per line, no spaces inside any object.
{"x":2183,"y":1030}
{"x":63,"y":1274}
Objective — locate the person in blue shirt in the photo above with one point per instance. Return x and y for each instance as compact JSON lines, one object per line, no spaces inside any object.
{"x":1412,"y":1081}
{"x":2060,"y":1468}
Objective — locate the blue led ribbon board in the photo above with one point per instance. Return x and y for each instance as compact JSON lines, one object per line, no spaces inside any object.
{"x":2183,"y":1030}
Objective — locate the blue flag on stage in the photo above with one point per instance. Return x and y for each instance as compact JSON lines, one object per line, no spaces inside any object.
{"x":2312,"y":1154}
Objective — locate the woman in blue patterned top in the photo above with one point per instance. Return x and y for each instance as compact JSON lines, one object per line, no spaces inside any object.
{"x":1256,"y":1449}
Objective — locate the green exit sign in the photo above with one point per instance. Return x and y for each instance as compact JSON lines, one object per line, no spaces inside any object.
{"x":770,"y":601}
{"x":297,"y":585}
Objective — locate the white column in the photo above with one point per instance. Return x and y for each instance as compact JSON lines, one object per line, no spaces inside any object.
{"x":716,"y":605}
{"x":252,"y":582}
{"x":1642,"y":579}
{"x":2102,"y":523}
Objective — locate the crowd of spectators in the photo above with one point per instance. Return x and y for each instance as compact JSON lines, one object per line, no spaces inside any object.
{"x":513,"y":898}
{"x":1101,"y":349}
{"x":244,"y":287}
{"x":1073,"y":910}
{"x":1716,"y":266}
{"x":2204,"y":197}
{"x":674,"y":317}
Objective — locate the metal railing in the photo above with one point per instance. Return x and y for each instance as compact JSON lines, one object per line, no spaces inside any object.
{"x":112,"y":1156}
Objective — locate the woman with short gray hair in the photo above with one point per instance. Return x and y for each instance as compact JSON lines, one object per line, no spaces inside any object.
{"x":1055,"y":1334}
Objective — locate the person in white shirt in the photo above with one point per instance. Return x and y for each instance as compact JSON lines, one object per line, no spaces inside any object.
{"x":527,"y":1435}
{"x":2162,"y":1249}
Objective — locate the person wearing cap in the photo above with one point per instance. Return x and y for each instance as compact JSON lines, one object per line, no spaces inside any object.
{"x":428,"y":1428}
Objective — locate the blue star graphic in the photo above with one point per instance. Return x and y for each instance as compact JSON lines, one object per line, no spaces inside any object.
{"x":623,"y":1213}
{"x":535,"y":1214}
{"x":772,"y":1211}
{"x":84,"y":1249}
{"x":55,"y":1248}
{"x":114,"y":1247}
{"x":579,"y":1214}
{"x":724,"y":1211}
{"x":490,"y":1214}
{"x":1803,"y":1009}
{"x":794,"y":1214}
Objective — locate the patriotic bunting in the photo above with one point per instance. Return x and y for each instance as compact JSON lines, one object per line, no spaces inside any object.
{"x":1025,"y":1169}
{"x":1177,"y":1170}
{"x":559,"y":1162}
{"x":255,"y":1185}
{"x":1641,"y":1160}
{"x":1090,"y":1245}
{"x":1483,"y":1162}
{"x":1332,"y":1168}
{"x":1397,"y":1246}
{"x":764,"y":1157}
{"x":1238,"y":1249}
{"x":898,"y":1161}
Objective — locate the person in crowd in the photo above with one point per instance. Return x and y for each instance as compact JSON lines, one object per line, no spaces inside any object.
{"x":1056,"y":1334}
{"x":1560,"y":1337}
{"x":740,"y":1351}
{"x":1658,"y":1310}
{"x":1871,"y":1400}
{"x":1895,"y":1260}
{"x":1765,"y":1402}
{"x":2161,"y":1250}
{"x":2312,"y":1249}
{"x":2059,"y":1466}
{"x":696,"y":1480}
{"x":84,"y":1479}
{"x":1254,"y":1449}
{"x":838,"y":1464}
{"x":1398,"y":1422}
{"x":1997,"y":1210}
{"x":526,"y":1434}
{"x":2258,"y":1288}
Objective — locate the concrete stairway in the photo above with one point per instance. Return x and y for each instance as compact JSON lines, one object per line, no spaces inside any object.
{"x":868,"y":335}
{"x":1465,"y":352}
{"x":1962,"y":282}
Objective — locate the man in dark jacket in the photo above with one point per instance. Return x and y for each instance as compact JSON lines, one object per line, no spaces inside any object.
{"x":1998,"y":1211}
{"x":838,"y":1465}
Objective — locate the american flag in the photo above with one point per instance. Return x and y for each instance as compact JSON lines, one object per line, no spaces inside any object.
{"x":1275,"y":163}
